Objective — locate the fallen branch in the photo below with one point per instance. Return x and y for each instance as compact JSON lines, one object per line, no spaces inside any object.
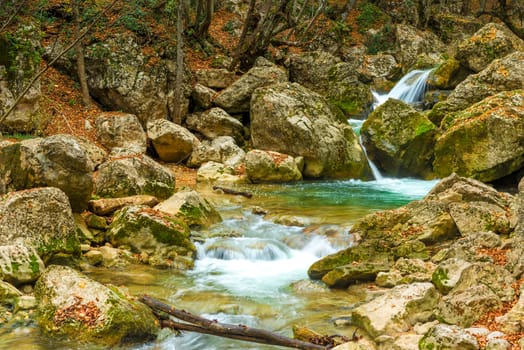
{"x":231,"y":191}
{"x":213,"y":327}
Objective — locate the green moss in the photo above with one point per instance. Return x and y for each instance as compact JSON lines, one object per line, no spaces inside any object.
{"x":34,"y":265}
{"x":439,"y":279}
{"x":15,"y":266}
{"x":424,"y":127}
{"x":423,"y":345}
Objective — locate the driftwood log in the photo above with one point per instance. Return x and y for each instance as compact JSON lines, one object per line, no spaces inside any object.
{"x":194,"y":323}
{"x":231,"y":191}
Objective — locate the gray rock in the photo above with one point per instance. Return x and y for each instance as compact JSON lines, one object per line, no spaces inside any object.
{"x":415,"y":45}
{"x":216,"y":122}
{"x":172,"y":142}
{"x":105,"y":206}
{"x":132,"y":176}
{"x":397,"y":309}
{"x":312,"y":69}
{"x":214,"y":78}
{"x":213,"y":172}
{"x":268,"y":166}
{"x":448,"y":274}
{"x":513,"y":321}
{"x":223,"y":149}
{"x":378,"y":66}
{"x":237,"y":96}
{"x":8,"y":293}
{"x":291,"y":119}
{"x":448,"y":337}
{"x":473,"y":217}
{"x":40,"y":218}
{"x":203,"y":96}
{"x":189,"y":206}
{"x":121,"y":130}
{"x":72,"y":305}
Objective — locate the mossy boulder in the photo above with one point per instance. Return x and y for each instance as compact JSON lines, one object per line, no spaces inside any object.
{"x":19,"y":264}
{"x":133,"y":175}
{"x":190,"y":207}
{"x":451,"y":337}
{"x":72,"y":305}
{"x":288,"y":118}
{"x":40,"y":218}
{"x":163,"y":237}
{"x":485,"y":141}
{"x":399,"y":139}
{"x":268,"y":166}
{"x":492,"y":41}
{"x":448,"y":74}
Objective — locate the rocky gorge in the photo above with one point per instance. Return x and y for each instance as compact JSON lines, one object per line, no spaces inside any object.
{"x":444,"y":271}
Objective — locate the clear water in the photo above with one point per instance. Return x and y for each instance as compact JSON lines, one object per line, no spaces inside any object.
{"x":410,"y":88}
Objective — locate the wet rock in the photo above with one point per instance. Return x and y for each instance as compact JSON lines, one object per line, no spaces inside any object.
{"x":487,"y":139}
{"x":268,"y":166}
{"x":39,"y":218}
{"x":8,"y":293}
{"x":172,"y":142}
{"x":163,"y":237}
{"x":504,"y":74}
{"x":216,"y":122}
{"x":397,"y":310}
{"x":134,"y":175}
{"x":399,"y":139}
{"x":105,"y":206}
{"x":121,"y":130}
{"x":448,"y":337}
{"x":291,"y":119}
{"x":491,"y":42}
{"x":223,"y":149}
{"x":189,"y":206}
{"x":447,"y":75}
{"x":236,"y":97}
{"x":72,"y":305}
{"x":214,"y":78}
{"x":19,"y":264}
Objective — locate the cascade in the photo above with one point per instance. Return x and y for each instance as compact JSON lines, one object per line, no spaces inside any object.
{"x":409,"y":89}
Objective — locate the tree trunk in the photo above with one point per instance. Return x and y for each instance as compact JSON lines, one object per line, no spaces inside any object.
{"x":80,"y":63}
{"x":179,"y":79}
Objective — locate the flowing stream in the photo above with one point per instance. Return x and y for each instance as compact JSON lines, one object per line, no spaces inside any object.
{"x":253,"y":269}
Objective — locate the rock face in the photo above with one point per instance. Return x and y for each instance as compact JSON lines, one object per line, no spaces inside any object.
{"x":505,"y":74}
{"x":172,"y":142}
{"x":237,"y":96}
{"x":415,"y":45}
{"x":216,"y":122}
{"x":378,"y":66}
{"x":485,"y":141}
{"x":491,"y":42}
{"x":121,"y":78}
{"x":133,"y":175}
{"x":19,"y":62}
{"x":164,"y":238}
{"x":399,"y":139}
{"x":72,"y":305}
{"x":311,"y":69}
{"x":189,"y":206}
{"x":268,"y":166}
{"x":290,"y":119}
{"x":397,"y":310}
{"x":447,"y":75}
{"x":40,"y":218}
{"x":121,"y":130}
{"x":61,"y":161}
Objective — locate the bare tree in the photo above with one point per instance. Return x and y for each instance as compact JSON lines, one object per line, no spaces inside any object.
{"x":80,"y":62}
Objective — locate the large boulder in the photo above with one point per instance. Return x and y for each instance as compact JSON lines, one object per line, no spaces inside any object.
{"x":312,"y":69}
{"x":190,"y":207}
{"x":447,"y":75}
{"x":40,"y":218}
{"x":133,"y":175}
{"x":290,"y":119}
{"x":491,"y":42}
{"x":172,"y":142}
{"x":124,"y":77}
{"x":417,"y":45}
{"x":19,"y":62}
{"x":223,"y":149}
{"x":449,"y":337}
{"x":215,"y":78}
{"x":236,"y":97}
{"x":378,"y":66}
{"x":213,"y":172}
{"x":399,"y":139}
{"x":121,"y":130}
{"x":397,"y":310}
{"x":61,"y":161}
{"x":164,"y":238}
{"x":19,"y":264}
{"x":504,"y":74}
{"x":70,"y":304}
{"x":268,"y":166}
{"x":216,"y":122}
{"x":486,"y":141}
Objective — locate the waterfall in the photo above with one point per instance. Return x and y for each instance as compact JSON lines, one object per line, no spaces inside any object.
{"x":410,"y":89}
